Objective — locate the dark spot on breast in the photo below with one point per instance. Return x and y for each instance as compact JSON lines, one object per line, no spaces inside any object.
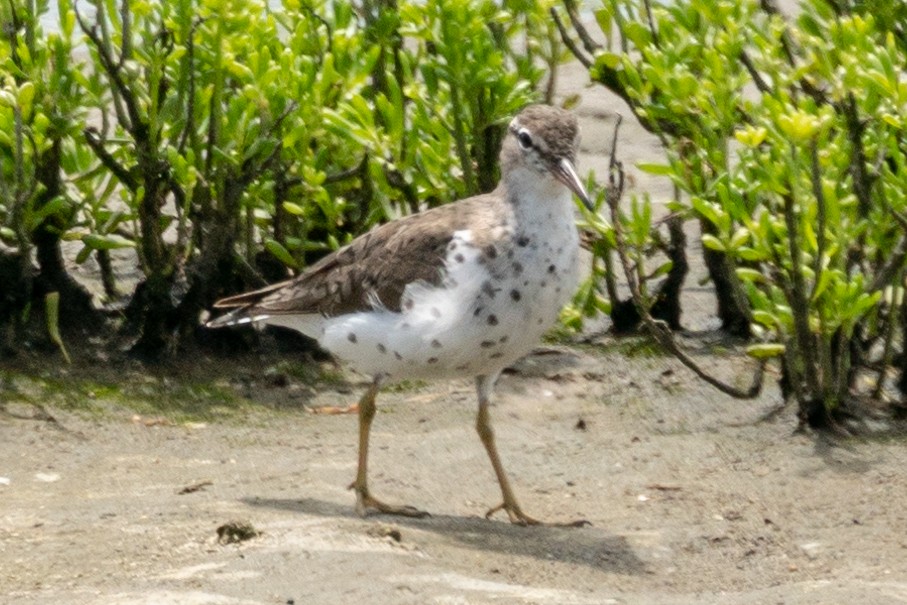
{"x":540,"y":321}
{"x":522,"y":241}
{"x":408,"y":304}
{"x":436,"y":343}
{"x":436,"y":311}
{"x":462,"y":367}
{"x":459,"y":257}
{"x":400,"y":357}
{"x":432,"y":360}
{"x":543,"y":283}
{"x":492,"y":320}
{"x":382,"y":348}
{"x":503,"y":339}
{"x":490,"y":251}
{"x":489,"y":289}
{"x":452,"y":246}
{"x":351,"y":337}
{"x":478,"y":311}
{"x":551,"y":268}
{"x":517,"y":267}
{"x":558,"y":290}
{"x":495,"y":355}
{"x":515,"y":295}
{"x":510,"y":253}
{"x":487,"y":344}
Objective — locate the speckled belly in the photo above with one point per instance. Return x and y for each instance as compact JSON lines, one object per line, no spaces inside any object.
{"x":492,"y":308}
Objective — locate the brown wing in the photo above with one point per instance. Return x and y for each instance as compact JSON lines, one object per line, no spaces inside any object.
{"x":381,"y":262}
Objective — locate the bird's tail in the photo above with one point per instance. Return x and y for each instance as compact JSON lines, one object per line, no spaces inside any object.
{"x":236,"y":317}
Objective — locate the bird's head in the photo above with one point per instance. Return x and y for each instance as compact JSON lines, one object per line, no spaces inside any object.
{"x":544,"y":140}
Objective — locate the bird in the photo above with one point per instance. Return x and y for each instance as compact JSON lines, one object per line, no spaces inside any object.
{"x":460,"y":290}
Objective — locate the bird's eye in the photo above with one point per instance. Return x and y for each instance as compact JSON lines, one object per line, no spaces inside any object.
{"x":524,"y":138}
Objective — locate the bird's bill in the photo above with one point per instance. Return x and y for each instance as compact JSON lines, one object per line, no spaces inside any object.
{"x":565,"y":172}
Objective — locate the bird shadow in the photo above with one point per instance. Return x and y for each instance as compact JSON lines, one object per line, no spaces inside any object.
{"x":588,"y":546}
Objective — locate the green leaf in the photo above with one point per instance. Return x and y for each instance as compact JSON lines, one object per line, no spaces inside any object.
{"x":83,"y":254}
{"x":58,"y":204}
{"x":712,"y":243}
{"x":822,"y":284}
{"x":605,"y":17}
{"x":707,"y":209}
{"x":293,"y":208}
{"x":26,"y":95}
{"x":864,"y":303}
{"x":638,"y":33}
{"x":7,"y":99}
{"x":663,"y":269}
{"x":608,"y":60}
{"x":769,"y":320}
{"x":749,"y":275}
{"x":52,"y":315}
{"x":280,"y":253}
{"x":740,"y":237}
{"x":106,"y":242}
{"x":750,"y":254}
{"x":656,"y":169}
{"x":765,"y":350}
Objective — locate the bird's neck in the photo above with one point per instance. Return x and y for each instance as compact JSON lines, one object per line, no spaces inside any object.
{"x":537,"y":199}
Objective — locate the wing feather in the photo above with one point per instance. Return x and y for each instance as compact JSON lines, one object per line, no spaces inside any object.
{"x":375,"y":266}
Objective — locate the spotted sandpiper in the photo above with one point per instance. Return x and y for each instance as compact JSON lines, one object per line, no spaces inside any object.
{"x":462,"y":290}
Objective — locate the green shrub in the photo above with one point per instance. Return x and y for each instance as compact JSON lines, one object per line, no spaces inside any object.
{"x":785,"y":140}
{"x":40,"y":117}
{"x":232,"y":142}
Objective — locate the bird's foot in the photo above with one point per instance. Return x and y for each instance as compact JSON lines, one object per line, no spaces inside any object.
{"x":366,"y":502}
{"x":332,"y":410}
{"x":518,"y":517}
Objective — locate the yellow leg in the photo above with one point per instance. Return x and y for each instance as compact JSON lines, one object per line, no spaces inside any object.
{"x":484,"y":384}
{"x":364,"y":500}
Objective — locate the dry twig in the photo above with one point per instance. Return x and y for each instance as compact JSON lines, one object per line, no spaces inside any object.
{"x":658,"y":329}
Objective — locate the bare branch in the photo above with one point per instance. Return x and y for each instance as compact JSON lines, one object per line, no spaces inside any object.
{"x":590,"y":45}
{"x":248,"y":273}
{"x":887,"y":347}
{"x":797,"y":296}
{"x":189,"y":134}
{"x":568,"y":41}
{"x":770,"y":7}
{"x":126,"y":22}
{"x":862,"y":180}
{"x":659,"y":329}
{"x":895,"y":263}
{"x":112,"y":69}
{"x":821,"y":214}
{"x":651,"y":20}
{"x":761,"y":84}
{"x":347,"y":174}
{"x":395,"y":179}
{"x":121,"y":172}
{"x":251,"y":170}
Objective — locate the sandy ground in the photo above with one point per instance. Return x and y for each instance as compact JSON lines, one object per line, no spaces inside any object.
{"x":692,"y":497}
